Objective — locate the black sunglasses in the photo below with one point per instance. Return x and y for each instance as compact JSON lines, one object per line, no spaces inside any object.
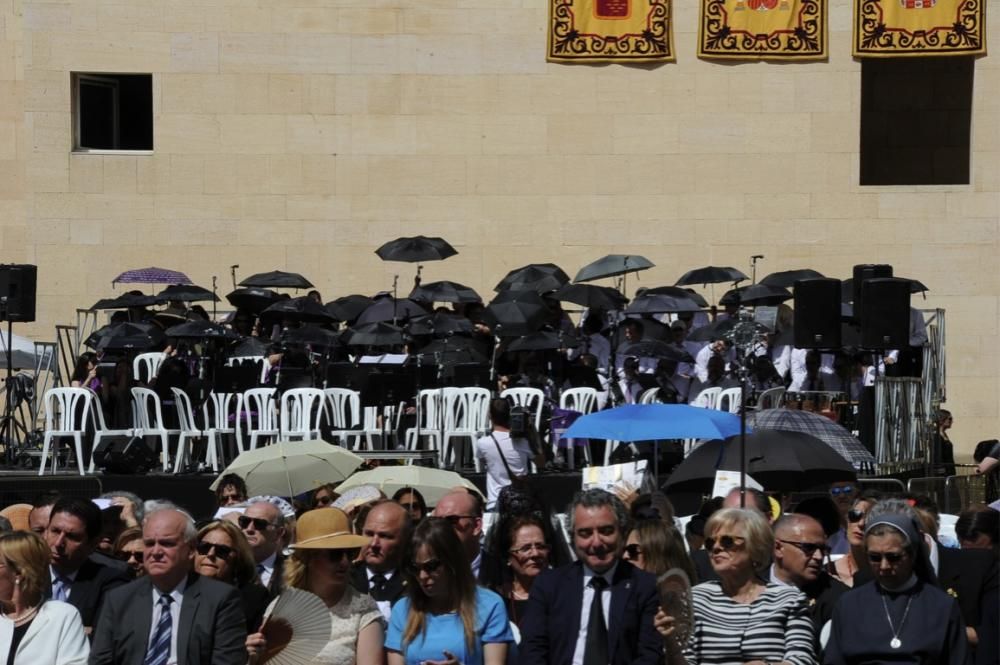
{"x":338,"y":554}
{"x":891,"y":557}
{"x":259,"y":523}
{"x":454,"y":520}
{"x":633,"y":551}
{"x":808,"y":548}
{"x":429,"y":566}
{"x":128,"y":556}
{"x":222,"y":551}
{"x":725,"y":542}
{"x":855,"y":515}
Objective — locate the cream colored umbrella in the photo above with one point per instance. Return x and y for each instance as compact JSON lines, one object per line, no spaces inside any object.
{"x":289,"y":468}
{"x":431,"y":483}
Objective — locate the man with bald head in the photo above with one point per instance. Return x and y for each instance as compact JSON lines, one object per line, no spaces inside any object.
{"x":800,"y":555}
{"x":464,"y":511}
{"x":263,"y":524}
{"x":389,"y":527}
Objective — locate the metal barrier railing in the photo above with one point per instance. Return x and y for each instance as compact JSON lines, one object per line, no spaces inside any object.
{"x":967,"y":490}
{"x":901,"y":427}
{"x":884,"y":485}
{"x":934,"y":375}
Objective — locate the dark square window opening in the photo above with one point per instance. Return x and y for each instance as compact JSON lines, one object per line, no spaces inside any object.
{"x":112,"y":111}
{"x":916,"y":120}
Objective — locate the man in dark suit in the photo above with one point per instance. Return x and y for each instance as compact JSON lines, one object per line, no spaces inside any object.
{"x":598,"y":610}
{"x":72,"y":534}
{"x":264,"y":527}
{"x":171,"y":614}
{"x":464,"y":511}
{"x":971,"y":577}
{"x":388,"y":525}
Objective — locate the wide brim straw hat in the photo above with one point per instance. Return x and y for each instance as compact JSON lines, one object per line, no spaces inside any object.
{"x":326,"y":529}
{"x":17,"y":514}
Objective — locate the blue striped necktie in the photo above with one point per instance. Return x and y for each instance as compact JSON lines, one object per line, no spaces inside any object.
{"x":159,"y":645}
{"x":60,"y":588}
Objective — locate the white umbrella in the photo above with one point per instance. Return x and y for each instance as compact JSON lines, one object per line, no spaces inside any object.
{"x":431,"y":483}
{"x":289,"y":468}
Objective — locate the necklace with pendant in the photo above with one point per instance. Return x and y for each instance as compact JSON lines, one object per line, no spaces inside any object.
{"x":895,"y":642}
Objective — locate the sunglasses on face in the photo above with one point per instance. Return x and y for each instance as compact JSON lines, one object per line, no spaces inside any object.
{"x":837,"y":491}
{"x":430,"y":566}
{"x":726,"y":543}
{"x":633,"y":551}
{"x":128,"y":556}
{"x":221,"y":551}
{"x":891,"y":557}
{"x":855,"y":515}
{"x":525,"y":550}
{"x":410,"y":506}
{"x":809,"y":549}
{"x":455,"y":520}
{"x":259,"y":523}
{"x":336,"y":555}
{"x":323,"y":500}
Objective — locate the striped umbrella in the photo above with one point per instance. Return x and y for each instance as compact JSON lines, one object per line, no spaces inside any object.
{"x":831,"y":433}
{"x":151,"y":276}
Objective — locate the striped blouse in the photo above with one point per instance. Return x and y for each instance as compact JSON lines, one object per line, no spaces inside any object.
{"x":774,"y":627}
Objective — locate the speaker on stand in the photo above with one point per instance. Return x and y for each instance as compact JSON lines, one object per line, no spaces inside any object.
{"x":18,"y":283}
{"x":817,"y":313}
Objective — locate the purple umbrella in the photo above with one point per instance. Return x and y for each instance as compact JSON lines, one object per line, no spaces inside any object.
{"x":151,"y":276}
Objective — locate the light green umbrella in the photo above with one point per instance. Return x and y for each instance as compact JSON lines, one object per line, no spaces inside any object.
{"x":431,"y":483}
{"x":289,"y":468}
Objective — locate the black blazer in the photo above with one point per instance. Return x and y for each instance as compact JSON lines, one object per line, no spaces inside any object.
{"x":551,"y":621}
{"x":212,"y":627}
{"x":255,"y":599}
{"x":395,"y":586}
{"x":969,"y":576}
{"x":93,"y":581}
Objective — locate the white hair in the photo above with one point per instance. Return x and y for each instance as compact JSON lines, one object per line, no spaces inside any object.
{"x":159,"y":505}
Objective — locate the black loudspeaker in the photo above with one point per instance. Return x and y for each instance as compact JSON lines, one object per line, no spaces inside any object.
{"x":863,"y":272}
{"x":17,"y":292}
{"x":124,"y":454}
{"x":817,"y":314}
{"x":885,"y":314}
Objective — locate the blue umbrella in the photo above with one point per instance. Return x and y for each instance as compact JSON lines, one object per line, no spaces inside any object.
{"x":651,"y":422}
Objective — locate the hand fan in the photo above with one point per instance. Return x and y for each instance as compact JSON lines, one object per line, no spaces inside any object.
{"x":297,"y":628}
{"x":675,"y":599}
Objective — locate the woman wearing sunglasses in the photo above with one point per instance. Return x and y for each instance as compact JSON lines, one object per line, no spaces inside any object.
{"x":445,"y":618}
{"x":321,"y":563}
{"x":222,"y":552}
{"x":128,"y":548}
{"x":741,"y":618}
{"x":847,"y":566}
{"x":900,"y":616}
{"x":656,"y":547}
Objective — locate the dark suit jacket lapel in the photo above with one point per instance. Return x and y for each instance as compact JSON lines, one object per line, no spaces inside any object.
{"x":575,"y":594}
{"x":189,"y":608}
{"x":620,"y":591}
{"x":141,"y":619}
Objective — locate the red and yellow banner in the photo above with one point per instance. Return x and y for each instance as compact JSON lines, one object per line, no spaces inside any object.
{"x":895,"y":28}
{"x":763,"y":29}
{"x":610,"y":31}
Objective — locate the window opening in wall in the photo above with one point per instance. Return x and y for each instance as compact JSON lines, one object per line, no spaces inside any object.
{"x":112,"y":111}
{"x":916,"y":120}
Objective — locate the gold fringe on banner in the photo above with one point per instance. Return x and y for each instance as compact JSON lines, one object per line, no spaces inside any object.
{"x":895,"y":28}
{"x":763,"y":29}
{"x":610,"y":31}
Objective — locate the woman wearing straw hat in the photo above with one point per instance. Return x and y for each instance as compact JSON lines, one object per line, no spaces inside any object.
{"x":321,"y":564}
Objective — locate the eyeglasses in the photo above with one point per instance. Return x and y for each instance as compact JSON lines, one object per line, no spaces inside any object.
{"x":725,"y":542}
{"x":259,"y":523}
{"x":454,"y":520}
{"x":429,"y":566}
{"x":855,"y":515}
{"x":891,"y":557}
{"x":205,"y":548}
{"x":336,"y":555}
{"x":411,"y":506}
{"x":809,"y":549}
{"x":846,"y":489}
{"x":525,"y":550}
{"x":633,"y":551}
{"x":128,"y":556}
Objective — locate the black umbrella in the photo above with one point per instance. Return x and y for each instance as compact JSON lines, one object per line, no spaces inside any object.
{"x":713,"y":331}
{"x":374,"y":334}
{"x":254,"y":300}
{"x":544,"y":340}
{"x":439,"y":324}
{"x":278,"y":278}
{"x":588,"y":295}
{"x":304,"y":310}
{"x":444,"y":292}
{"x":658,"y":304}
{"x":787,"y":278}
{"x":612,"y":265}
{"x":186,"y":293}
{"x":711,"y":275}
{"x":251,"y":346}
{"x":756,"y":295}
{"x":778,"y":460}
{"x":129,"y":336}
{"x":125,"y":301}
{"x":516,"y":313}
{"x":452,"y":350}
{"x":311,"y":335}
{"x":201,"y":329}
{"x":533,"y":277}
{"x":348,"y":308}
{"x":677,"y":292}
{"x":390,"y":309}
{"x":416,"y":250}
{"x":651,"y":348}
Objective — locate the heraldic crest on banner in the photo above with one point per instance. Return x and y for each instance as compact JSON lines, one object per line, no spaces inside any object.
{"x":610,"y":31}
{"x":763,"y":29}
{"x":894,"y":28}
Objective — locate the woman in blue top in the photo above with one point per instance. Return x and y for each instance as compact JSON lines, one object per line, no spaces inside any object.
{"x":445,"y":619}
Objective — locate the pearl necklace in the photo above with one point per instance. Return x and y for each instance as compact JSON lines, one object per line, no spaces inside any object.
{"x":27,"y":614}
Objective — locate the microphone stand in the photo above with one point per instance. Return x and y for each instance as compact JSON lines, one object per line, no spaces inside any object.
{"x":493,"y":360}
{"x":395,"y":284}
{"x":215,"y":299}
{"x":232,"y":270}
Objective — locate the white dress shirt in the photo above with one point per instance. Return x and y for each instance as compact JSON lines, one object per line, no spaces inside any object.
{"x":384,"y":606}
{"x":177,"y":595}
{"x":268,"y":571}
{"x":588,"y":600}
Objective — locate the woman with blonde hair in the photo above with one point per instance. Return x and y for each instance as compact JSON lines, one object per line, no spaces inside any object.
{"x":222,"y":552}
{"x":444,"y":617}
{"x":321,"y":563}
{"x":34,"y":630}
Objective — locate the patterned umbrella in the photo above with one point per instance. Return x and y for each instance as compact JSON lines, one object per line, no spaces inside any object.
{"x":151,"y":276}
{"x":821,"y":427}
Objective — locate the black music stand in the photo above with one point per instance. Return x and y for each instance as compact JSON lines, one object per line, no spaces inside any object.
{"x":238,"y":378}
{"x":581,"y":376}
{"x":469,"y":375}
{"x":386,"y":385}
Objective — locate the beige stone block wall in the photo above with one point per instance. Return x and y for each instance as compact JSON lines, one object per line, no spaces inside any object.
{"x":302,"y":134}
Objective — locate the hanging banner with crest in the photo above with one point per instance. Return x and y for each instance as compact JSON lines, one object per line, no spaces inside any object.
{"x":610,"y":31}
{"x":897,"y":28}
{"x":763,"y":29}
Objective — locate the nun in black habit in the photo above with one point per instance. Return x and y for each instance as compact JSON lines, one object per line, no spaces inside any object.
{"x":901,"y":616}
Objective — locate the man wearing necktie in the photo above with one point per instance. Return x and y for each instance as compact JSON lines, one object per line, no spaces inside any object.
{"x":389,"y":527}
{"x":598,"y":610}
{"x":171,"y":616}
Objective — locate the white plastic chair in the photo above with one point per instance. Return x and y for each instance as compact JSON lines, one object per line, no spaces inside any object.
{"x":67,"y":411}
{"x":467,"y":415}
{"x":531,"y":398}
{"x":149,"y":420}
{"x":429,"y":425}
{"x":221,"y":412}
{"x":188,"y":431}
{"x":343,"y":410}
{"x":264,"y":366}
{"x":372,"y":423}
{"x":259,"y":401}
{"x":101,"y":429}
{"x":146,"y":365}
{"x":650,"y":396}
{"x":300,"y":413}
{"x":771,"y":398}
{"x":707,"y":398}
{"x":583,"y":400}
{"x":729,"y":400}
